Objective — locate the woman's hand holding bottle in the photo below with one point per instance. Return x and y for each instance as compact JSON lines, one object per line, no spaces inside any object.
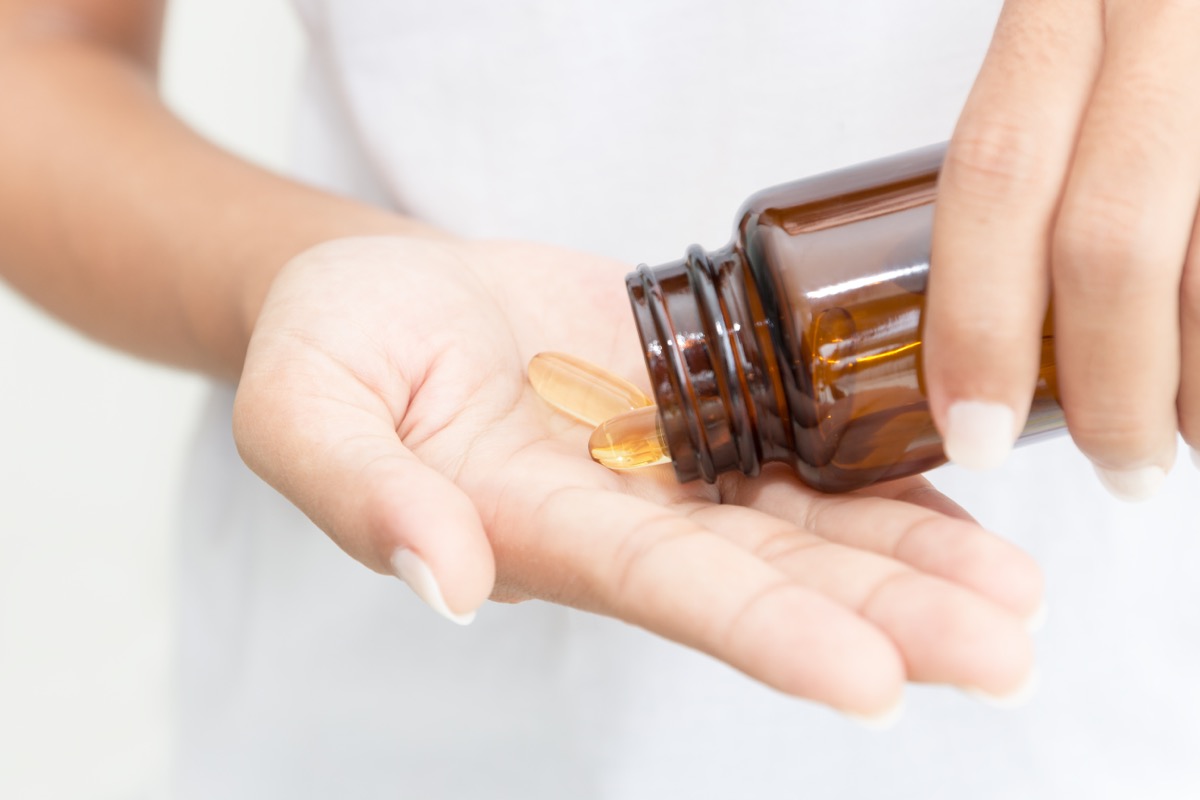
{"x":1075,"y":167}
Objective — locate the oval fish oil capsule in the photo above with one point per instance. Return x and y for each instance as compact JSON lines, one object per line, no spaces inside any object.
{"x":582,"y":390}
{"x":630,"y":441}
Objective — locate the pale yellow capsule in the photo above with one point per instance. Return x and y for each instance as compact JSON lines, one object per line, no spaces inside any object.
{"x":630,"y":440}
{"x":583,"y":390}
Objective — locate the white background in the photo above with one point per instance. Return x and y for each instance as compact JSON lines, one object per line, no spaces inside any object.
{"x":90,"y":446}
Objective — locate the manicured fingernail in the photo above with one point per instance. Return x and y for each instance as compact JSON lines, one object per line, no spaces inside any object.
{"x":882,"y":721}
{"x":1132,"y":485}
{"x":979,"y":435}
{"x":409,"y":568}
{"x":1037,"y":620}
{"x":1014,"y":699}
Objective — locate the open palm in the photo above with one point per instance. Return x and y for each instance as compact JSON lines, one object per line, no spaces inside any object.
{"x":384,"y":394}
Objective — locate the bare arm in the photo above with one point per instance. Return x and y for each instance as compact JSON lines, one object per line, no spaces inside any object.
{"x":118,"y":218}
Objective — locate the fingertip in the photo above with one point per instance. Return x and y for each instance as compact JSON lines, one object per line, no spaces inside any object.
{"x":870,"y":687}
{"x":952,"y":635}
{"x":882,"y":720}
{"x":1132,"y":485}
{"x":1037,"y":620}
{"x":1007,"y":675}
{"x":428,"y":533}
{"x":1028,"y":598}
{"x":873,"y":698}
{"x":837,"y":658}
{"x":410,"y":568}
{"x":1015,"y":696}
{"x":979,"y":435}
{"x":1012,"y":578}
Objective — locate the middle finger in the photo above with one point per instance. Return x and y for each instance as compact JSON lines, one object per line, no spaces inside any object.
{"x":1120,"y":243}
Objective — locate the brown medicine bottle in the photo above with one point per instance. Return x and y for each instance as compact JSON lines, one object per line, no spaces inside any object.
{"x":800,"y":341}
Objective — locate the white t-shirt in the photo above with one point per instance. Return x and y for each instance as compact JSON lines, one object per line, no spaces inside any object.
{"x":633,"y":128}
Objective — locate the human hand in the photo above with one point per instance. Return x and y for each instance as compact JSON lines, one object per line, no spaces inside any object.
{"x":1076,"y":164}
{"x":384,"y":393}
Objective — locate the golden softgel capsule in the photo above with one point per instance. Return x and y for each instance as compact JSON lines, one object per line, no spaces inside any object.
{"x":628,"y":434}
{"x":630,"y":441}
{"x":582,"y":390}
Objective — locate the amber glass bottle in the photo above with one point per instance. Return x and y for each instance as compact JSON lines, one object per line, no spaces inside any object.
{"x":800,"y":341}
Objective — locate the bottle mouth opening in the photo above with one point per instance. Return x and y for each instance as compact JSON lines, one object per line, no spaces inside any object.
{"x":668,"y":378}
{"x":693,"y":368}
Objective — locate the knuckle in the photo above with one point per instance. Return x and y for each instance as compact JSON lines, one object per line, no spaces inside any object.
{"x":983,"y":327}
{"x":993,"y":160}
{"x":1101,"y":246}
{"x":1114,"y":435}
{"x":995,"y":339}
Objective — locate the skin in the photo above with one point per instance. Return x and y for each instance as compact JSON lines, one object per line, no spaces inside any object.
{"x":1076,"y":165}
{"x":381,"y":389}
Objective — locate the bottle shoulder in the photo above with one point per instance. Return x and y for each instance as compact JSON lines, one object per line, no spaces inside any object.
{"x":838,"y":197}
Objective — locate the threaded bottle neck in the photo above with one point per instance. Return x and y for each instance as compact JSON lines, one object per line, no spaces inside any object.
{"x":698,"y":336}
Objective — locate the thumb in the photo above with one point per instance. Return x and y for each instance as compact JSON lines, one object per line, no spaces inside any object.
{"x":340,"y":461}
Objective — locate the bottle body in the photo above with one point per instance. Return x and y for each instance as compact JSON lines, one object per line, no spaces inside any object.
{"x":800,"y":342}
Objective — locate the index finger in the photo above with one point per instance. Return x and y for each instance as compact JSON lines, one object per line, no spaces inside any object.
{"x":1000,"y":185}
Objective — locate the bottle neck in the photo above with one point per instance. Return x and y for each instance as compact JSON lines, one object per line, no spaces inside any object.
{"x":703,"y":337}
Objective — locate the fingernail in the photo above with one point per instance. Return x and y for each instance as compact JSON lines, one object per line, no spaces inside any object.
{"x":1037,"y":620}
{"x":1195,"y":456}
{"x":1132,"y":485}
{"x":979,"y":435}
{"x":882,"y":721}
{"x":409,"y":568}
{"x":1014,"y":699}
